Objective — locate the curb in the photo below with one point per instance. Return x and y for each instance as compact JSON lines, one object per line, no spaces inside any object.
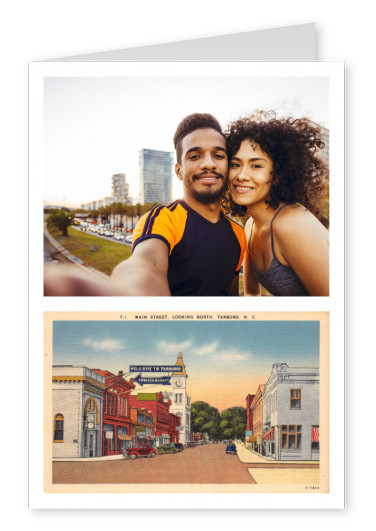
{"x":262,"y":462}
{"x":84,"y":459}
{"x":74,"y":259}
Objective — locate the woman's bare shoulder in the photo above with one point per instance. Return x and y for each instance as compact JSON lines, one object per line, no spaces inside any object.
{"x":296,"y":219}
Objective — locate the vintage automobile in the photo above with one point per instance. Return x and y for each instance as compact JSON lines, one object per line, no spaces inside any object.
{"x":142,"y":450}
{"x":170,"y":448}
{"x":231,"y":449}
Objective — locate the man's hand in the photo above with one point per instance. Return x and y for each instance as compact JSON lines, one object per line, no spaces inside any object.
{"x":69,"y":281}
{"x":145,"y":272}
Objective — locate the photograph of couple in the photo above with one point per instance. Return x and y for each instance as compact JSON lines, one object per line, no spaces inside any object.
{"x":254,"y":204}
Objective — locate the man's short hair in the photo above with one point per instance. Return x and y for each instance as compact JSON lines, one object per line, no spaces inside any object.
{"x":190,"y":124}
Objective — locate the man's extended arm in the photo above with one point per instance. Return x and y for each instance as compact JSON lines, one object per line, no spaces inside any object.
{"x":145,"y":272}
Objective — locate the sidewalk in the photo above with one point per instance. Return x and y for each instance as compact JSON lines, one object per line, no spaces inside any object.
{"x":271,"y":472}
{"x":76,"y":261}
{"x":77,"y":459}
{"x":257,"y":460}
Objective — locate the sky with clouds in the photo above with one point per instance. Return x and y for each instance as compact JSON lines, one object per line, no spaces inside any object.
{"x":224,"y":361}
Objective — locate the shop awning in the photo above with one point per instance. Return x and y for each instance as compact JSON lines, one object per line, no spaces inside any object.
{"x":252,"y":439}
{"x":315,"y":434}
{"x":124,"y":437}
{"x":149,"y":438}
{"x":269,"y":435}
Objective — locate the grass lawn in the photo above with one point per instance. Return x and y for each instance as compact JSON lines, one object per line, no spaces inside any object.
{"x":105,"y":258}
{"x":108,"y":255}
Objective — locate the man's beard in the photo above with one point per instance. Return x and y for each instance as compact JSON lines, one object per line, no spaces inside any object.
{"x":211,"y":194}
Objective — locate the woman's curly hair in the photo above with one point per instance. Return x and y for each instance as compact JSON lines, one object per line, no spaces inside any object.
{"x":298,"y":174}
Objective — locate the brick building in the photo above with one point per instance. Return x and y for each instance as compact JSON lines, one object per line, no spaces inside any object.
{"x":249,"y":425}
{"x":143,"y":426}
{"x":159,"y":408}
{"x":174,"y":427}
{"x":116,"y":423}
{"x":257,"y":419}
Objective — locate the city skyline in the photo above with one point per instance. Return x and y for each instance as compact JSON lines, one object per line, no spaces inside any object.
{"x":225,"y":361}
{"x":95,"y":127}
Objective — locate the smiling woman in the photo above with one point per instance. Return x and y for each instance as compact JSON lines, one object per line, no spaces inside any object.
{"x":276,"y":177}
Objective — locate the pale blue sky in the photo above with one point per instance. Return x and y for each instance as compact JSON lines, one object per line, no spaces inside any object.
{"x":216,"y":349}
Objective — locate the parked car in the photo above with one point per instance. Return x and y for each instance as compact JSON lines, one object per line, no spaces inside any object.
{"x":231,"y":449}
{"x":192,"y":444}
{"x":118,"y":236}
{"x":141,"y":450}
{"x":108,"y":232}
{"x":128,"y":239}
{"x":170,"y":448}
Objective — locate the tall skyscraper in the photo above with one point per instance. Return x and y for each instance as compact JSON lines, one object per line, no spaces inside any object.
{"x":156,"y":171}
{"x":120,"y":188}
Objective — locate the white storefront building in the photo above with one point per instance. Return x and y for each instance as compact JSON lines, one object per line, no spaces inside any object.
{"x":77,"y":409}
{"x":291,"y":413}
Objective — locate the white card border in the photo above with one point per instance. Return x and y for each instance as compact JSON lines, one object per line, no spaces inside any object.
{"x":334,"y":304}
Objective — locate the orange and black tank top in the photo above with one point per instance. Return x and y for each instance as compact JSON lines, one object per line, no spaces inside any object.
{"x":204,"y":257}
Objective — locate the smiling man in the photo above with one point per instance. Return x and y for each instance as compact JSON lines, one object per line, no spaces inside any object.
{"x":186,"y":248}
{"x":189,"y":247}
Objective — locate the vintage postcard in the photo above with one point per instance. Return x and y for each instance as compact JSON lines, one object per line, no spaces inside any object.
{"x":193,"y":402}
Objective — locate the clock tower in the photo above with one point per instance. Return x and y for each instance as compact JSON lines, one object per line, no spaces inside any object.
{"x":181,"y":401}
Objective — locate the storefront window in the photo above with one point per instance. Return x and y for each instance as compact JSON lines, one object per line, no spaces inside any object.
{"x":291,"y":437}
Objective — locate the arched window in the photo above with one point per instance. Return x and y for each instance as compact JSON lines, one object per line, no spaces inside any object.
{"x":59,"y":428}
{"x":91,"y":406}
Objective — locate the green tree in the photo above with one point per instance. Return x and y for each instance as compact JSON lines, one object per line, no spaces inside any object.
{"x":93,"y":214}
{"x":104,"y":212}
{"x":132,"y":212}
{"x":60,"y":220}
{"x":117,"y":211}
{"x":233,"y":422}
{"x":205,"y":419}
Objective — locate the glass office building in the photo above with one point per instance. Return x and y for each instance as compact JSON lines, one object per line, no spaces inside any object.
{"x":156,"y":173}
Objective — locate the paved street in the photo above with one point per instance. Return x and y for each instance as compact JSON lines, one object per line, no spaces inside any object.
{"x":203,"y":464}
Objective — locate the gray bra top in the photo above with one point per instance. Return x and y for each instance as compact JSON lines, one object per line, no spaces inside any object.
{"x":279,"y":280}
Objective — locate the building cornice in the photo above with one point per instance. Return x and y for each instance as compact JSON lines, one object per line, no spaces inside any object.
{"x":77,"y":380}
